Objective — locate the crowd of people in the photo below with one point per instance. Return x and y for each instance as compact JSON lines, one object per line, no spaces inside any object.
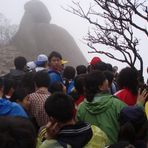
{"x":45,"y":104}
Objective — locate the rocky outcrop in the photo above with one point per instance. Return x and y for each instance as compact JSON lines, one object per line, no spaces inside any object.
{"x":36,"y":35}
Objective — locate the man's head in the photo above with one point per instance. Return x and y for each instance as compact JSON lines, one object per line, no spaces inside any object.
{"x":42,"y":60}
{"x":20,"y":63}
{"x":60,"y":107}
{"x":42,"y":79}
{"x":55,"y":60}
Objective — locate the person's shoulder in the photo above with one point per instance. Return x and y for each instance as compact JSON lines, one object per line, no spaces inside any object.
{"x":18,"y":110}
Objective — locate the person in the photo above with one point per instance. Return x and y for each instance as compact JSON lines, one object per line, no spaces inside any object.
{"x":81,"y":69}
{"x":128,"y":86}
{"x":55,"y":67}
{"x":28,"y":82}
{"x":19,"y":71}
{"x":38,"y":98}
{"x":8,"y":108}
{"x":100,"y":108}
{"x":17,"y":132}
{"x":68,"y":78}
{"x":64,"y":131}
{"x":41,"y":62}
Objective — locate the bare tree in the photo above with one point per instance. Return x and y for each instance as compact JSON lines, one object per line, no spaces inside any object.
{"x":7,"y":30}
{"x":114,"y":24}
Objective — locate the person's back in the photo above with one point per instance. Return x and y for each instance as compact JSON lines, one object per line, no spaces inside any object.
{"x":100,"y":108}
{"x":18,"y":73}
{"x":38,"y":98}
{"x":102,"y":112}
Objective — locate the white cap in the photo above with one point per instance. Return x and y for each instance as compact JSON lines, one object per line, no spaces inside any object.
{"x":31,"y":65}
{"x":40,"y":59}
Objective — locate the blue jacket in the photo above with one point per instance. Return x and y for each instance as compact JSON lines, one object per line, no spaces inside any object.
{"x":55,"y":76}
{"x":8,"y":108}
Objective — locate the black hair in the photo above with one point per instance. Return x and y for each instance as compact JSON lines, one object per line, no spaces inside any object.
{"x":109,"y":67}
{"x":69,"y":72}
{"x":128,"y":78}
{"x":17,"y":132}
{"x":92,"y":82}
{"x":89,"y":68}
{"x":19,"y":94}
{"x":28,"y":82}
{"x":79,"y":83}
{"x":54,"y":54}
{"x":7,"y":85}
{"x":100,"y":66}
{"x":42,"y":79}
{"x":110,"y":77}
{"x":81,"y":69}
{"x":60,"y":106}
{"x":1,"y":82}
{"x":20,"y":62}
{"x":56,"y":87}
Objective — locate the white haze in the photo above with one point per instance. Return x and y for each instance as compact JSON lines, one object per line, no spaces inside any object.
{"x":76,"y":26}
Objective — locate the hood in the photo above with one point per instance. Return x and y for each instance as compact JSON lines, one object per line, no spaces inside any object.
{"x":100,"y":103}
{"x":16,"y":72}
{"x":5,"y":107}
{"x":77,"y":136}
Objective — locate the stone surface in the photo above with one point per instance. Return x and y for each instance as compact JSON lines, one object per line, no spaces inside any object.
{"x":36,"y":35}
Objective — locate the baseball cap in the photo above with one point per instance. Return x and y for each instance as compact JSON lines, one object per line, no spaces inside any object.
{"x":41,"y":59}
{"x":31,"y":65}
{"x":95,"y":60}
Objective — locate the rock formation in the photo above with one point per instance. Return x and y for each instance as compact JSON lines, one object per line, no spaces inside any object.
{"x":36,"y":35}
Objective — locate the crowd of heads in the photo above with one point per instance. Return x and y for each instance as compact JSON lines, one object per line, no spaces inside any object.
{"x":67,"y":86}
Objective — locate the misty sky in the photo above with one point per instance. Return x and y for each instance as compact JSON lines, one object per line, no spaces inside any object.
{"x":77,"y":27}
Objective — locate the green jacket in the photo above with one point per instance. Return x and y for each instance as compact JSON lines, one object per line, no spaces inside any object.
{"x":103,"y":112}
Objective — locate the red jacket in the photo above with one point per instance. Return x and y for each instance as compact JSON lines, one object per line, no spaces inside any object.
{"x":126,"y":96}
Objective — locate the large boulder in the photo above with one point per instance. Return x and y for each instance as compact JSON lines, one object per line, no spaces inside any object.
{"x":36,"y":35}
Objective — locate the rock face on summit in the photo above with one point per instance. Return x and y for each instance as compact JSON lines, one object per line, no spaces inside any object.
{"x":36,"y":35}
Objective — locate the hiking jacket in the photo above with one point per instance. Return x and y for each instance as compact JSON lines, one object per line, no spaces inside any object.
{"x":8,"y":108}
{"x":103,"y":112}
{"x":78,"y":136}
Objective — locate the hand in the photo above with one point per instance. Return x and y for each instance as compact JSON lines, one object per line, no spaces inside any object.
{"x":52,"y":129}
{"x":142,"y":96}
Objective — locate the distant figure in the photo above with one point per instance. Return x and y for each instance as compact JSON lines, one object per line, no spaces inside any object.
{"x":81,"y":69}
{"x":128,"y":86}
{"x":55,"y":67}
{"x":18,"y":73}
{"x":41,"y":62}
{"x":68,"y":77}
{"x":36,"y":34}
{"x":8,"y":108}
{"x":38,"y":98}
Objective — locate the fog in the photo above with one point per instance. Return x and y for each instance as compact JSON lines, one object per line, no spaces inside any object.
{"x":77,"y":27}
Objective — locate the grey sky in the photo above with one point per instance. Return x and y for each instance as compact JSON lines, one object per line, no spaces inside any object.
{"x":77,"y":27}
